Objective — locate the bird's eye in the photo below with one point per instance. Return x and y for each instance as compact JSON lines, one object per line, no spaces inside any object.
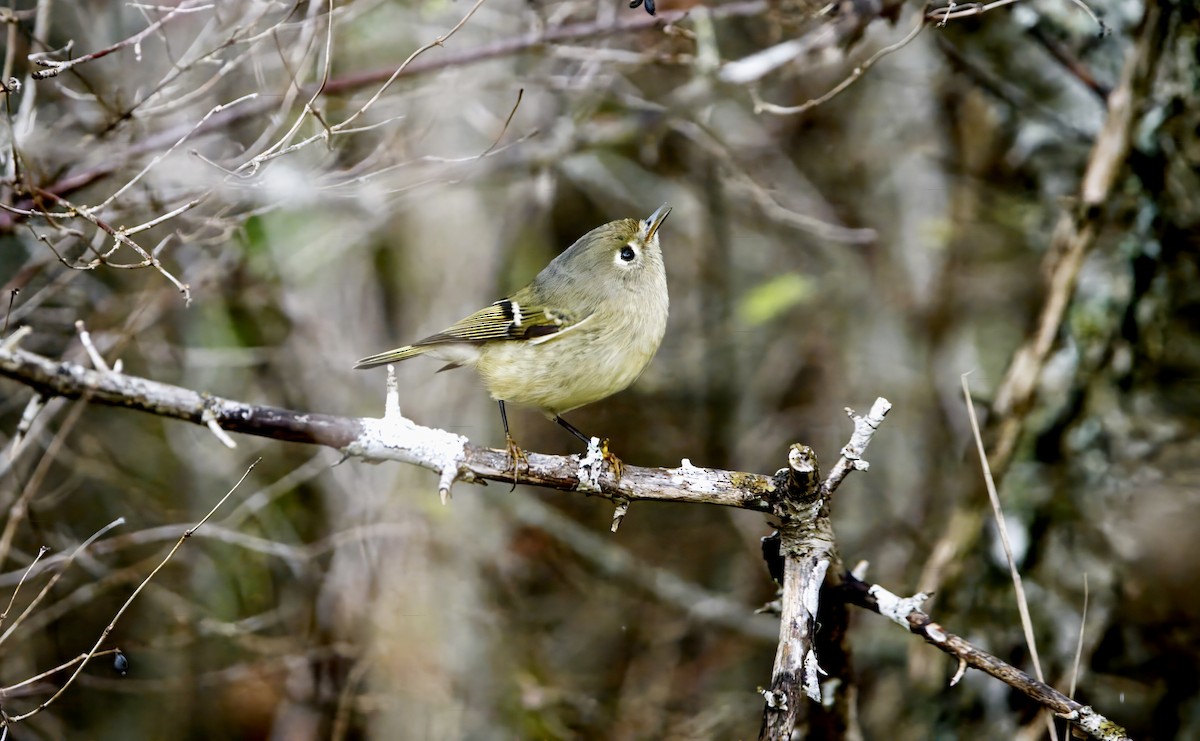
{"x":627,"y":253}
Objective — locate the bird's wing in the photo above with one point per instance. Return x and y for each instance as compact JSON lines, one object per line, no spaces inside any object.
{"x":507,"y":319}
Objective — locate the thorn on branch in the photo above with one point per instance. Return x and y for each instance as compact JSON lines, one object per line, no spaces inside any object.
{"x":446,"y":481}
{"x":812,"y":685}
{"x":860,"y":570}
{"x":621,"y":510}
{"x":10,"y":343}
{"x":211,"y":422}
{"x":85,"y":338}
{"x":776,"y":699}
{"x":958,"y":674}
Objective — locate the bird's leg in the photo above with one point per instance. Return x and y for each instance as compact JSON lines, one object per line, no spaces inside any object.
{"x":516,"y":456}
{"x":612,"y":460}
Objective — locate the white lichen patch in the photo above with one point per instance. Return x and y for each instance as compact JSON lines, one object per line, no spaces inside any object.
{"x":395,"y":438}
{"x":591,"y":467}
{"x":775,"y":700}
{"x":692,"y":478}
{"x":811,"y":598}
{"x":897,"y":609}
{"x":812,"y":671}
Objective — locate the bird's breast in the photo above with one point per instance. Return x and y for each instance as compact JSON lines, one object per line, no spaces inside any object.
{"x":596,"y":359}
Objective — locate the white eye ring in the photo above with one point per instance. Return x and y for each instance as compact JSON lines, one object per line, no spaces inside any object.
{"x":627,"y":253}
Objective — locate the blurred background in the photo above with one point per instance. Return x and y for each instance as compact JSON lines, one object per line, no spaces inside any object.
{"x":880,"y":244}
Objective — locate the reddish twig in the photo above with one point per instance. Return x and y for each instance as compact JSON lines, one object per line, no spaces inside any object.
{"x":56,"y":67}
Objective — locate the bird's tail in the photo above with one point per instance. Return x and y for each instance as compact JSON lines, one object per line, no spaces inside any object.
{"x":391,"y":356}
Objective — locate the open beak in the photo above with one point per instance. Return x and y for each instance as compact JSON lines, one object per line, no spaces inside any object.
{"x":656,"y":219}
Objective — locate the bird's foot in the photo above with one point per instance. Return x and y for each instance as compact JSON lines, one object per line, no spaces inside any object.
{"x":613,"y":462}
{"x":516,"y":457}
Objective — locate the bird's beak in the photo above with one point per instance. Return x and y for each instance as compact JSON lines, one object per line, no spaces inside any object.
{"x":656,"y":219}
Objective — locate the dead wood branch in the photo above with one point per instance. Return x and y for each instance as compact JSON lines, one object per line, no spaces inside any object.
{"x":390,"y":438}
{"x":907,"y":613}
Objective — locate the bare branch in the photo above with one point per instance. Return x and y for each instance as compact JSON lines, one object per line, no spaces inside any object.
{"x":391,"y":438}
{"x":761,"y":106}
{"x":76,"y":180}
{"x":1002,"y":529}
{"x":1076,"y":236}
{"x":1073,"y":240}
{"x":25,"y":575}
{"x":808,"y":550}
{"x":54,"y":579}
{"x":121,"y":238}
{"x":108,"y":629}
{"x":954,"y":11}
{"x":9,"y":690}
{"x":56,"y":68}
{"x":907,"y":613}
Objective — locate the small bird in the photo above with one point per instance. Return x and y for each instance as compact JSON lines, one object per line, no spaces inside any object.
{"x":584,"y":329}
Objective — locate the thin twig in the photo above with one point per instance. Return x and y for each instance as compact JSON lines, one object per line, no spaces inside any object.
{"x":345,"y":704}
{"x":165,"y":153}
{"x":8,"y":691}
{"x":1079,"y":643}
{"x":120,"y":237}
{"x":85,"y":339}
{"x":113,"y":623}
{"x":954,"y":11}
{"x":907,"y":613}
{"x":851,"y":458}
{"x":761,"y":106}
{"x":76,"y":180}
{"x":20,"y":507}
{"x":504,"y":128}
{"x":962,"y":10}
{"x":54,"y":579}
{"x":1002,"y":529}
{"x":41,"y":552}
{"x":56,"y":67}
{"x":12,"y":297}
{"x":252,"y":165}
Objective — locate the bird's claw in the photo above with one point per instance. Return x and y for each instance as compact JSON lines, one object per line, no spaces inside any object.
{"x":613,"y":461}
{"x":516,"y":457}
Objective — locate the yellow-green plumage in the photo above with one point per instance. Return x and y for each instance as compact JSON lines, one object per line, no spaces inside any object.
{"x":585,"y":328}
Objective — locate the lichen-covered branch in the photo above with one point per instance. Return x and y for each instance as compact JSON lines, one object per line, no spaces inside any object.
{"x":392,"y":437}
{"x":805,"y":562}
{"x":907,"y":612}
{"x":809,"y":552}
